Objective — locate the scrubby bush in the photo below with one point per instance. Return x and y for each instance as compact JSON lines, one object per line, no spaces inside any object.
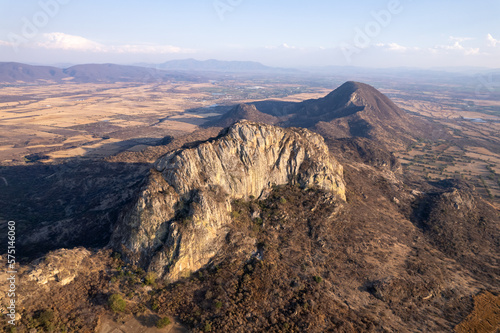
{"x":155,"y":306}
{"x":258,"y":221}
{"x":207,"y":327}
{"x":163,"y":322}
{"x":117,"y":303}
{"x":150,"y":279}
{"x":45,"y":319}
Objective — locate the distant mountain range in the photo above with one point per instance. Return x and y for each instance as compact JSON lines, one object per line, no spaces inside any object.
{"x":196,"y":70}
{"x":181,"y":70}
{"x":220,"y":66}
{"x":13,"y":72}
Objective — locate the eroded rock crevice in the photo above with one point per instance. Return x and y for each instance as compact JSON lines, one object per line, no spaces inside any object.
{"x":180,"y":218}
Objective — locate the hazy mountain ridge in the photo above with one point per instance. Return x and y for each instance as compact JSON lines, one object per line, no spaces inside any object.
{"x":213,"y":65}
{"x":16,"y":73}
{"x":185,"y":70}
{"x":12,"y":72}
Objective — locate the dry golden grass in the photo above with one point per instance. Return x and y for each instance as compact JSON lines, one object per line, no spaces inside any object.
{"x":482,"y":102}
{"x":486,"y":315}
{"x":70,"y":120}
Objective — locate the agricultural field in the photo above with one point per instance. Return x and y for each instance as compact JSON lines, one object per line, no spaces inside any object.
{"x":47,"y":123}
{"x":472,"y":153}
{"x":50,"y":122}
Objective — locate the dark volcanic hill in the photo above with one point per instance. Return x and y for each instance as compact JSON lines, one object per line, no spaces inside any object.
{"x":351,"y":98}
{"x":359,"y":110}
{"x":244,"y":111}
{"x":352,"y":110}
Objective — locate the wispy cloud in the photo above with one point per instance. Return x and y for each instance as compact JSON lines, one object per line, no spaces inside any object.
{"x":456,"y":45}
{"x":460,"y":39}
{"x":284,"y":46}
{"x":492,"y":41}
{"x":66,"y":42}
{"x":395,"y":47}
{"x":62,"y":41}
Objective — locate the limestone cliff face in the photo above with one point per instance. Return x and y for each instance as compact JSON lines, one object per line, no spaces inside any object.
{"x":178,"y":222}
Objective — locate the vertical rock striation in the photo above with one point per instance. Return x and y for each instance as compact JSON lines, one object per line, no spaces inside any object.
{"x":178,"y":221}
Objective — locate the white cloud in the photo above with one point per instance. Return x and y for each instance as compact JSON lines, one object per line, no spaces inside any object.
{"x":395,"y":47}
{"x":392,"y":47}
{"x":62,"y":41}
{"x":460,"y":39}
{"x":66,"y":42}
{"x":492,"y":41}
{"x":457,"y":46}
{"x":284,"y":46}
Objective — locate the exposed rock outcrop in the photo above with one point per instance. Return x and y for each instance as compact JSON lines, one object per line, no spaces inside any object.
{"x":61,"y":266}
{"x":178,"y":222}
{"x":461,"y":225}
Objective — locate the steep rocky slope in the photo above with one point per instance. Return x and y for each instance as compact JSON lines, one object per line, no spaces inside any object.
{"x":261,"y":229}
{"x":463,"y":226}
{"x":398,"y":255}
{"x":359,"y":110}
{"x":180,"y":218}
{"x":368,"y":267}
{"x":350,"y":99}
{"x":352,"y":110}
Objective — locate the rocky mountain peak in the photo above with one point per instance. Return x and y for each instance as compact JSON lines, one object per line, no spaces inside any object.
{"x":244,"y":112}
{"x":178,"y":222}
{"x":353,"y":97}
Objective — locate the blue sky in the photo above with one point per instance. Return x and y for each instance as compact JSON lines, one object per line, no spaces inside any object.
{"x":372,"y":33}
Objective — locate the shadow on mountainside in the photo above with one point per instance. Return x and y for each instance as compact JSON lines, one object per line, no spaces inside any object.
{"x":65,"y":205}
